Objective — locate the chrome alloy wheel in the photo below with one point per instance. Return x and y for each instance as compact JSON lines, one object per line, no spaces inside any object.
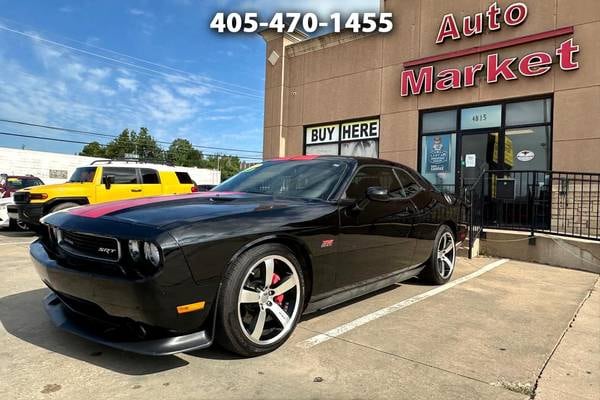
{"x":269,"y":300}
{"x":446,"y":255}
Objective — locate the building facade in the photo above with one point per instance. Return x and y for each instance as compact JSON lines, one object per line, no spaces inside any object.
{"x":457,"y":87}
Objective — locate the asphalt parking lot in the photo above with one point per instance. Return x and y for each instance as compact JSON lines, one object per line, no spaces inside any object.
{"x":502,"y":330}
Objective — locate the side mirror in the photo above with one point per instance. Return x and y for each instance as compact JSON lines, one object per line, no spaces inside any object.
{"x":377,"y":193}
{"x":108,"y":181}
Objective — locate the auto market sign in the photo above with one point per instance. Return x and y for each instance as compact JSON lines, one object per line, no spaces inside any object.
{"x":426,"y":79}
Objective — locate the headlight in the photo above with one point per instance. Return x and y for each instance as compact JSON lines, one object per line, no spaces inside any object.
{"x":152,"y":253}
{"x":134,"y":250}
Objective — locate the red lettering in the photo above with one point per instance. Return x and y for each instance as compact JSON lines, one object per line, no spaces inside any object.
{"x":470,"y":72}
{"x":416,"y":85}
{"x":495,"y":70}
{"x":449,"y":79}
{"x":566,"y":54}
{"x":520,"y":10}
{"x":448,"y":29}
{"x":492,"y":14}
{"x":473,"y":28}
{"x":535,"y":64}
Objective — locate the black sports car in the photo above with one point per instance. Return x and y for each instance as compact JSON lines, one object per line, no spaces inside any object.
{"x":242,"y":263}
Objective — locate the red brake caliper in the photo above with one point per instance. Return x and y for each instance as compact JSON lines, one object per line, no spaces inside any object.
{"x":278,"y":299}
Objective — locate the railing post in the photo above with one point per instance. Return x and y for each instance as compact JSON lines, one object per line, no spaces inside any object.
{"x":533,"y":209}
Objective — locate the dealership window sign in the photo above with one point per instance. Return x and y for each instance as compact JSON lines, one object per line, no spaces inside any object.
{"x":438,"y":153}
{"x":537,"y":63}
{"x":351,"y":138}
{"x":350,"y":131}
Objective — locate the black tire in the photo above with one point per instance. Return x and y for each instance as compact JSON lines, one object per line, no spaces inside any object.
{"x":63,"y":206}
{"x":231,"y":311}
{"x":15,"y":225}
{"x":432,"y":273}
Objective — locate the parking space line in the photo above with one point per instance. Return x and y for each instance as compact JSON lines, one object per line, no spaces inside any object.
{"x":333,"y":333}
{"x":14,"y":243}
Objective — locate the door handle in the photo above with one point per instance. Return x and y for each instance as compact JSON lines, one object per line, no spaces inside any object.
{"x":136,"y":190}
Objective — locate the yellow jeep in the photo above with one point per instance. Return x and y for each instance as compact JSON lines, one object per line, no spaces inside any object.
{"x":100,"y":182}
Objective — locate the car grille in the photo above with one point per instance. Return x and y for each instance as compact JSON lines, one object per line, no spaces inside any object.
{"x":21,"y":197}
{"x":91,"y":246}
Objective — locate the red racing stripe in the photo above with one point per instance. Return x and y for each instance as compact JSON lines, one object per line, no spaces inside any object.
{"x":100,"y":210}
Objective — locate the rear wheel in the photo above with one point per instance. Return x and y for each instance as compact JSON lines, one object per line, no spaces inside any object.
{"x":261,"y":300}
{"x":440,"y":266}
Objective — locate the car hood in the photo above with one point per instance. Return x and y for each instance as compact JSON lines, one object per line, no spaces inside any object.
{"x":72,"y":189}
{"x":163,"y":211}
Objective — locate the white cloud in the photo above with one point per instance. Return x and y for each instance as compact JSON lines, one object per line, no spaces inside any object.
{"x":321,"y":7}
{"x":66,"y":9}
{"x":128,"y":84}
{"x":193,"y":90}
{"x":99,"y":73}
{"x":140,"y":13}
{"x":76,"y":91}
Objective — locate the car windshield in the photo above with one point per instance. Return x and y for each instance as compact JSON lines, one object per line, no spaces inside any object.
{"x":309,"y":179}
{"x":22,"y":183}
{"x":83,"y":174}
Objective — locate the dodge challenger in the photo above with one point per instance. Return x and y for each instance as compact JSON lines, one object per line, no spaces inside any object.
{"x":242,"y":263}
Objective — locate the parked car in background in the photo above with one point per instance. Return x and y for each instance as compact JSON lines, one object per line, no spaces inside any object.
{"x":99,"y":182}
{"x":8,"y":185}
{"x":205,"y":188}
{"x":242,"y":263}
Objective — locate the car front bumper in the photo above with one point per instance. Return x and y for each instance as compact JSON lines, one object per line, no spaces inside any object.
{"x":30,"y":213}
{"x":62,"y":317}
{"x":138,"y":316}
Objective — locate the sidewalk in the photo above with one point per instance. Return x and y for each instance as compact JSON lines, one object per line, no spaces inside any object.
{"x":573,"y":371}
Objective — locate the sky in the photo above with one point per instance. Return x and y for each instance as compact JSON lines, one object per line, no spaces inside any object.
{"x":102,"y":66}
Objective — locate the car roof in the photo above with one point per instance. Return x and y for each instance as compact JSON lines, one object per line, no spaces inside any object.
{"x":124,"y":164}
{"x":359,"y":160}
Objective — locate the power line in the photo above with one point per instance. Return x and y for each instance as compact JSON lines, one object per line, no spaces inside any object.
{"x":114,"y":60}
{"x":139,"y":59}
{"x":58,"y":128}
{"x":21,"y":135}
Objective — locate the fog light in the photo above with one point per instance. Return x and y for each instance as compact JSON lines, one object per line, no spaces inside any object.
{"x":152,"y":253}
{"x":134,"y":250}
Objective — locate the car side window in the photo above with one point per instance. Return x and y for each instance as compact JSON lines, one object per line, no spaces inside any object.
{"x":149,"y":176}
{"x":184,"y":178}
{"x":410,"y":185}
{"x":122,"y":176}
{"x":373,"y":176}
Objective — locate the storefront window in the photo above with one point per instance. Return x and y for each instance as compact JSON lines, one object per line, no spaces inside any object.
{"x":440,"y":121}
{"x":363,"y":148}
{"x":529,"y":112}
{"x":481,"y":117}
{"x":513,"y":136}
{"x":530,"y":148}
{"x":322,"y":149}
{"x":353,"y":138}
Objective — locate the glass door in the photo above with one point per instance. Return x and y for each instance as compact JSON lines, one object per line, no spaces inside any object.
{"x":479,"y":152}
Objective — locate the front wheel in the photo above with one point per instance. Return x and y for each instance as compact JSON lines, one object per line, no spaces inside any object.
{"x":440,"y":266}
{"x":261,"y":300}
{"x":16,"y":225}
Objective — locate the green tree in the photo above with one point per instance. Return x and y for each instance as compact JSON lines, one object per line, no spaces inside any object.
{"x":121,"y":145}
{"x":182,"y":152}
{"x":93,"y":149}
{"x":146,"y":147}
{"x":228,"y":165}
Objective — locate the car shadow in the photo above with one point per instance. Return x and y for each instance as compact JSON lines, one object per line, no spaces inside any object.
{"x":23,"y":316}
{"x":16,"y":234}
